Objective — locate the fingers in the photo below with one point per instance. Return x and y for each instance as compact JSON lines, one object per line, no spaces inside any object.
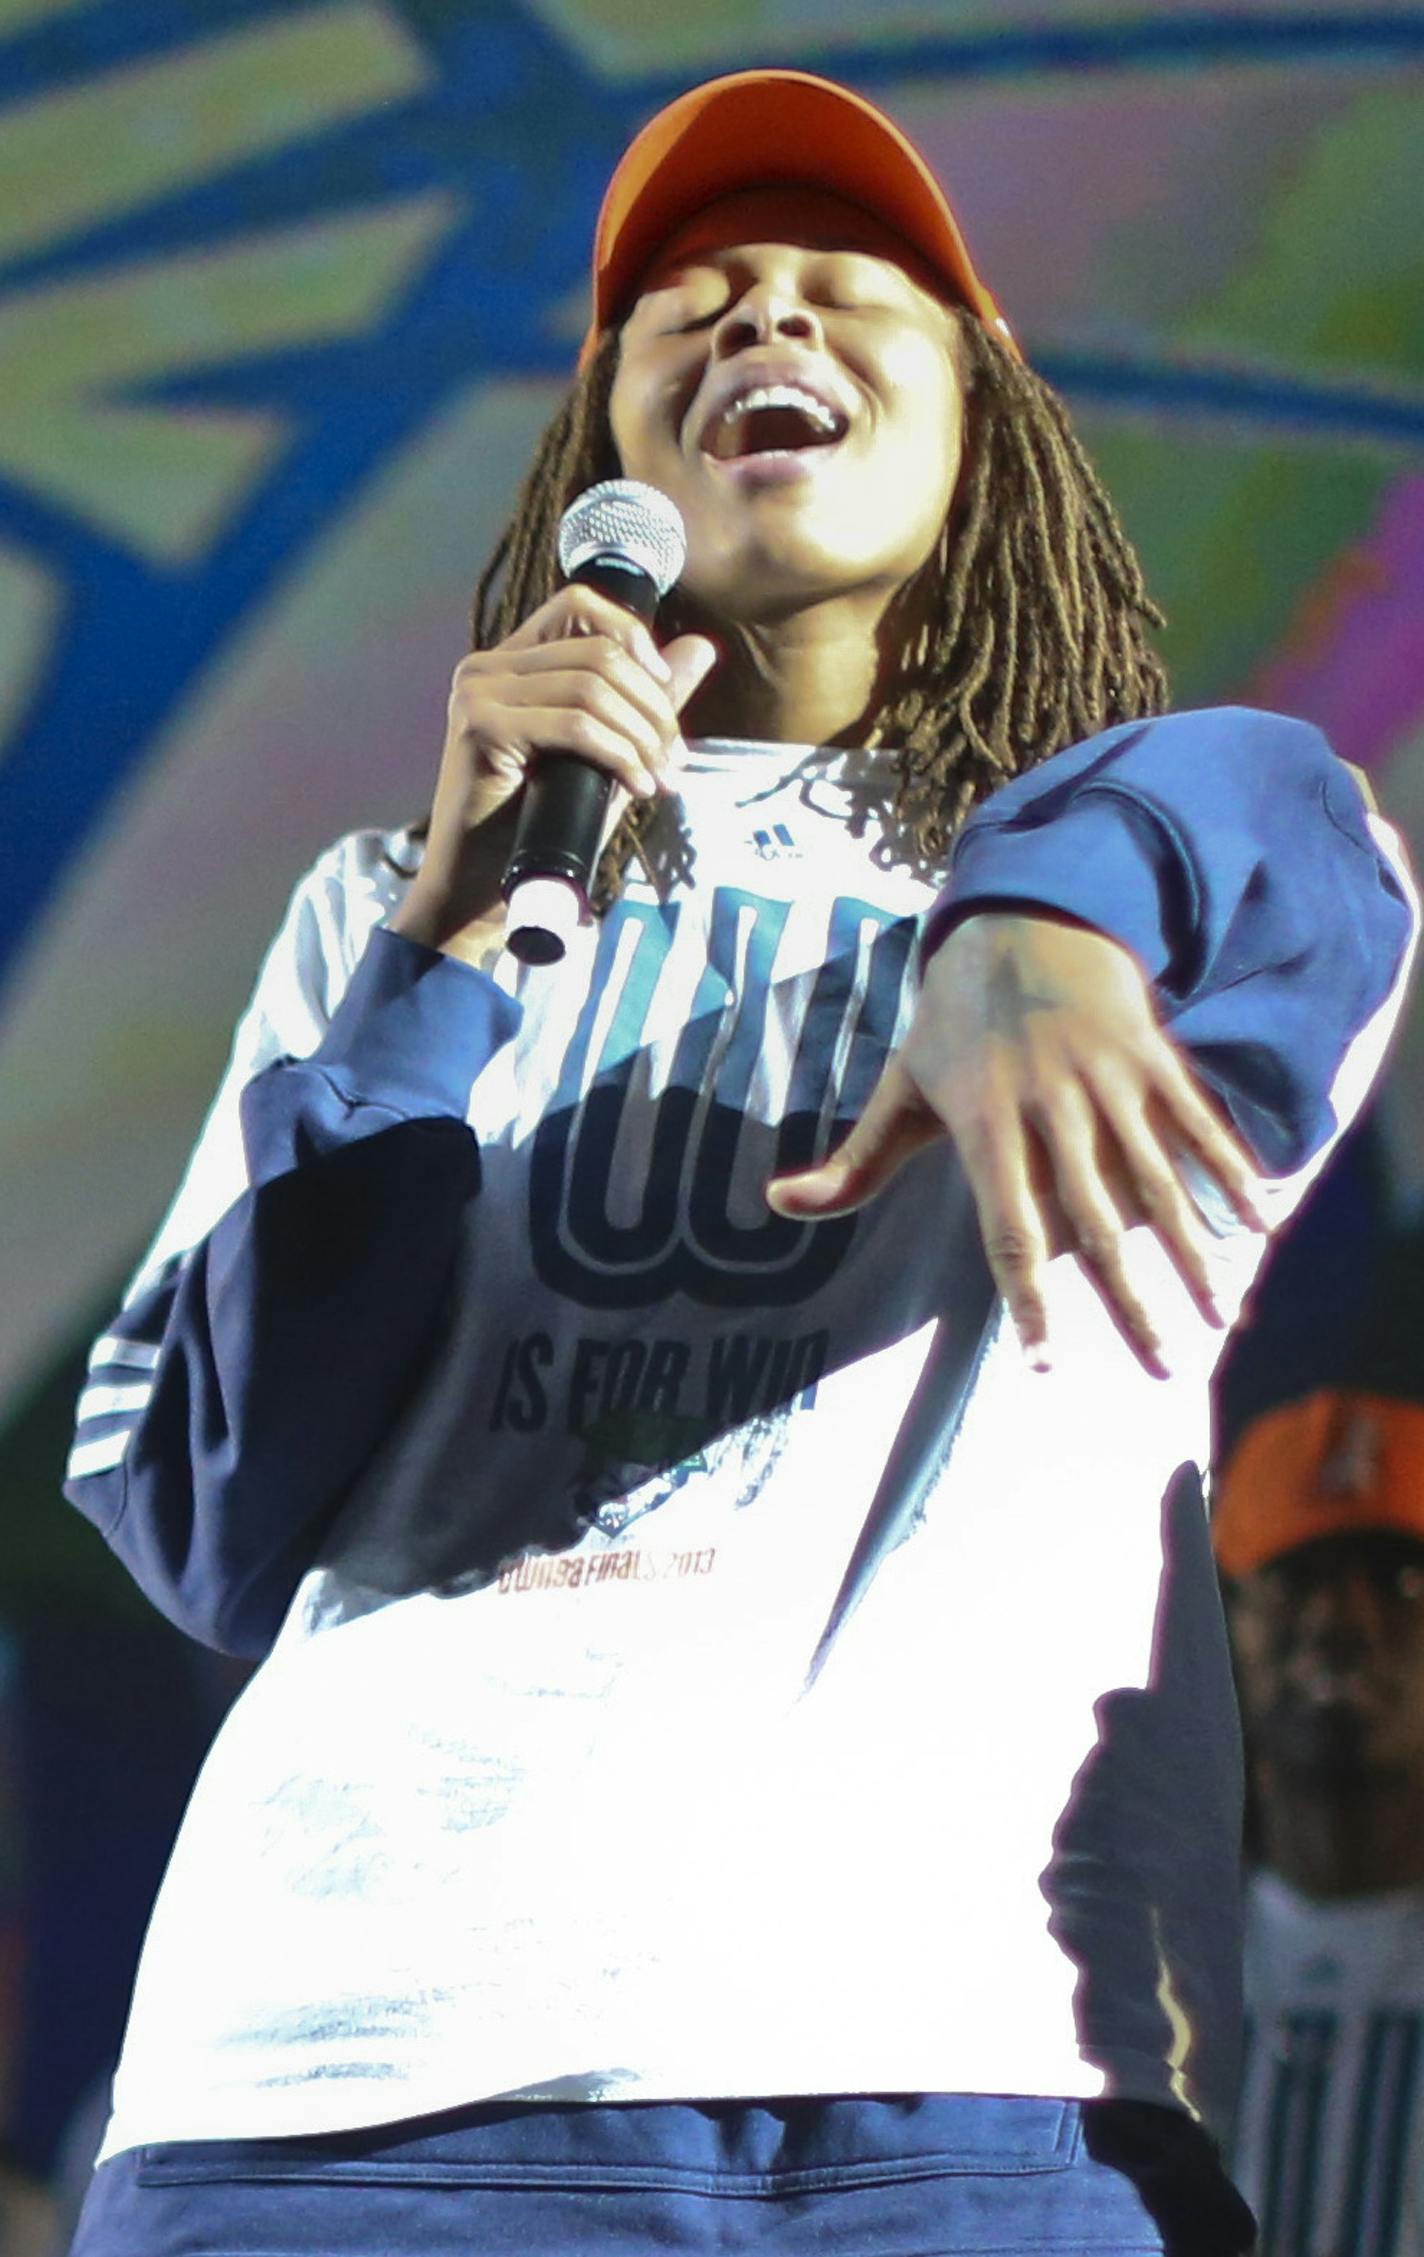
{"x":1035,"y":1046}
{"x":603,"y":743}
{"x":578,"y":653}
{"x":897,"y":1122}
{"x":1152,"y":1191}
{"x":1100,"y":1191}
{"x":577,"y":610}
{"x":1201,"y":1131}
{"x":583,"y":695}
{"x":1059,"y":1185}
{"x":1115,"y":1156}
{"x":1012,"y":1224}
{"x":689,"y":659}
{"x":610,"y":712}
{"x":579,"y":675}
{"x":680,"y":667}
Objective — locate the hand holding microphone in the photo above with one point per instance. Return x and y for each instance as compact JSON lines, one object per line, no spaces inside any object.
{"x":580,"y":675}
{"x":625,"y":540}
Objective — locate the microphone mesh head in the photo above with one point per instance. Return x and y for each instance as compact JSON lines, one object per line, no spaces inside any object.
{"x":625,"y":519}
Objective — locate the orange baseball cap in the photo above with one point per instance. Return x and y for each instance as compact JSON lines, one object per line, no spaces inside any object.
{"x":1336,"y":1463}
{"x":772,"y":129}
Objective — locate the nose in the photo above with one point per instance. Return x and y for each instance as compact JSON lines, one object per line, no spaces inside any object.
{"x":764,"y":312}
{"x":1343,"y":1615}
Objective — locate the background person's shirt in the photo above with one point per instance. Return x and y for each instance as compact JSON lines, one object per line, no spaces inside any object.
{"x":1329,"y":2148}
{"x":700,"y":1659}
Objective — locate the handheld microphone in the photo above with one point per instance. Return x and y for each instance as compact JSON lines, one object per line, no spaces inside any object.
{"x":627,"y":540}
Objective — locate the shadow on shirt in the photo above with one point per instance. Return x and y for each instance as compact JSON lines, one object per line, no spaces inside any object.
{"x":1144,"y":1890}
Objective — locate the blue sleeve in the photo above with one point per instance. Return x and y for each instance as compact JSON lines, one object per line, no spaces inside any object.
{"x":1231,"y":851}
{"x":248,"y":1381}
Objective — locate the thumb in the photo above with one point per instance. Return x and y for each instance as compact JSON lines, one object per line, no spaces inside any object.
{"x":897,"y":1122}
{"x":692,"y":658}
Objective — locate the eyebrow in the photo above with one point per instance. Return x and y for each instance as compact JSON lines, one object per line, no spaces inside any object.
{"x":666,"y":272}
{"x":830,"y":250}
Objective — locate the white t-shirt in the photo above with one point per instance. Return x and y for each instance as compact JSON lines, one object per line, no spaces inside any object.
{"x":1329,"y":2147}
{"x":581,"y":1821}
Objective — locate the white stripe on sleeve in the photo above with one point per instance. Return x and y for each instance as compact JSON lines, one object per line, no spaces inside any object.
{"x":133,"y":1355}
{"x":97,"y":1457}
{"x":103,"y":1402}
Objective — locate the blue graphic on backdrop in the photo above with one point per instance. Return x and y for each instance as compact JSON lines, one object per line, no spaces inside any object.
{"x":503,"y":119}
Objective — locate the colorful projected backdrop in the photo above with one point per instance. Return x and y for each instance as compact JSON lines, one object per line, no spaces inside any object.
{"x":285,"y":292}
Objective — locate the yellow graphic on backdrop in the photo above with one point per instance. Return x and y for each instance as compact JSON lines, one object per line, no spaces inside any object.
{"x":618,"y":38}
{"x":157,"y":476}
{"x":124,"y":138}
{"x":29,"y":608}
{"x":163,"y":478}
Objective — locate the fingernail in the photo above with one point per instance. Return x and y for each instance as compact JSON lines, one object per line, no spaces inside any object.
{"x":1035,"y":1354}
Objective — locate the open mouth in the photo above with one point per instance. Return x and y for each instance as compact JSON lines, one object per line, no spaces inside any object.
{"x":1326,"y":1686}
{"x":773,"y":419}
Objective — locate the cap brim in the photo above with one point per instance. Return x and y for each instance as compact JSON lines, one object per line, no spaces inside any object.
{"x":1272,"y":1497}
{"x":768,"y":129}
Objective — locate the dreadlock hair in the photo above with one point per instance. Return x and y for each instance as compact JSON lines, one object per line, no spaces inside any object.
{"x":1031,"y":612}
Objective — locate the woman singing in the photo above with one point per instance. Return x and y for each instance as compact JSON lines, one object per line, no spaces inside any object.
{"x":702,"y":1437}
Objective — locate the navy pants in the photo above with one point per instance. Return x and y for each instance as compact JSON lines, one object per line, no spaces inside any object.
{"x":938,"y":2175}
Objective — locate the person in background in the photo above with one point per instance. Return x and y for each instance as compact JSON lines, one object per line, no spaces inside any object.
{"x":1319,"y":1536}
{"x":27,"y":2214}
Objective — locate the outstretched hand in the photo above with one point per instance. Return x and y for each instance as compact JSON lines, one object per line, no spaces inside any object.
{"x":1034,"y":1045}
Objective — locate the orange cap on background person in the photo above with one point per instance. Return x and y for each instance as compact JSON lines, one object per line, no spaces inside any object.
{"x":1338,"y":1463}
{"x":772,"y":129}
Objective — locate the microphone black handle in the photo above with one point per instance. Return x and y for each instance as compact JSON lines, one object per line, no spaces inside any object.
{"x":561,"y":816}
{"x":565,"y":800}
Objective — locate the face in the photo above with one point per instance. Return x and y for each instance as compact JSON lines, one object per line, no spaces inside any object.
{"x":789,"y":378}
{"x":1329,"y":1649}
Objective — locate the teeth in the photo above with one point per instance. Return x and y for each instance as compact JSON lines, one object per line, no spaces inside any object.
{"x":783,"y":396}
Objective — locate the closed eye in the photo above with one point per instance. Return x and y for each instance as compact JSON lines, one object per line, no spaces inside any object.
{"x":843,"y":302}
{"x":686,"y":305}
{"x":850,"y":280}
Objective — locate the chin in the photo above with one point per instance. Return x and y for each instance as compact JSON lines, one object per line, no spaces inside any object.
{"x":773,"y":578}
